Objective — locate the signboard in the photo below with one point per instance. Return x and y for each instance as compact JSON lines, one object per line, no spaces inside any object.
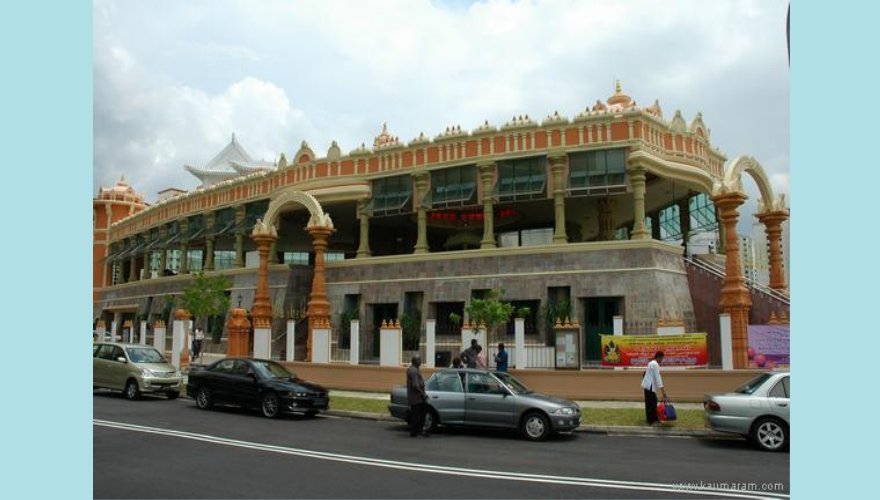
{"x":769,"y":346}
{"x":689,"y":349}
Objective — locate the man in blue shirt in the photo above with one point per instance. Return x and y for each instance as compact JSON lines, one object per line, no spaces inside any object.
{"x":501,"y":358}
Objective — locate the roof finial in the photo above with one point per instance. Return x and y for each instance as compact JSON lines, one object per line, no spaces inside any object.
{"x":384,"y":127}
{"x":233,"y":137}
{"x":617,"y":86}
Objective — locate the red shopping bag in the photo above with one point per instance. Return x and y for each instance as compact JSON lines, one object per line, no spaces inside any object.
{"x":661,"y":411}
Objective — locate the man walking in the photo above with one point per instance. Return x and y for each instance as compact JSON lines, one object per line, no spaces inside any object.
{"x":651,"y":383}
{"x":501,"y":358}
{"x":469,"y":355}
{"x":416,"y":397}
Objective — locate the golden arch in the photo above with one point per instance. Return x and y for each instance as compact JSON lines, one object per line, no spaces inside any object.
{"x":287,"y":197}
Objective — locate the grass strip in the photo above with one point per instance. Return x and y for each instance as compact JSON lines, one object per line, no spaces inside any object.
{"x":687,"y":419}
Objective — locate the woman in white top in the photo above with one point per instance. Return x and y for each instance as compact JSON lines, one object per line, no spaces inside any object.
{"x":652,"y":383}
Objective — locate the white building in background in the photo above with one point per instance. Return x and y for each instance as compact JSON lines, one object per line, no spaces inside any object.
{"x":754,"y":257}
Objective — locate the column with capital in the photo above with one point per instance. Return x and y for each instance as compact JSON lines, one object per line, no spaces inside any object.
{"x":773,"y":227}
{"x":264,"y":235}
{"x":210,"y":223}
{"x":487,"y":179}
{"x":421,"y":181}
{"x":558,"y":162}
{"x":735,"y":298}
{"x":318,"y":310}
{"x":637,"y":174}
{"x":364,"y":246}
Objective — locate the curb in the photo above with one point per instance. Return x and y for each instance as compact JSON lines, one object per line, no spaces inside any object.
{"x":610,"y":430}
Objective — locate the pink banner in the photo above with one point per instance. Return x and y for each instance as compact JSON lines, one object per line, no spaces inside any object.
{"x":769,"y":346}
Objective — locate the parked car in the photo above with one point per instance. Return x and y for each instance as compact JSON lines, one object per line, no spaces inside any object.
{"x":133,"y":369}
{"x":255,"y":383}
{"x":470,"y":397}
{"x":758,"y":410}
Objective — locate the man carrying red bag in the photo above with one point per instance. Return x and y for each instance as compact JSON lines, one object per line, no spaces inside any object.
{"x":651,"y":383}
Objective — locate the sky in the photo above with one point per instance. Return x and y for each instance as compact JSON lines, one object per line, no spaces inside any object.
{"x":174,"y":80}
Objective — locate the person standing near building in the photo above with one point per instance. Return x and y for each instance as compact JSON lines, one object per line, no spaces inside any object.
{"x":469,"y":355}
{"x":416,"y":397}
{"x":501,"y":358}
{"x":197,"y":343}
{"x":652,"y":383}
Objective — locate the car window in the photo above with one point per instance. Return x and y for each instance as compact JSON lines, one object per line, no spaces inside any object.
{"x":785,"y":383}
{"x":95,"y":349}
{"x":144,"y":355}
{"x":117,"y":353}
{"x":240,"y":368}
{"x":224,"y":366}
{"x":752,"y":385}
{"x":445,"y":382}
{"x":481,"y":383}
{"x":105,"y":352}
{"x":513,"y":384}
{"x":780,"y":390}
{"x":269,"y":369}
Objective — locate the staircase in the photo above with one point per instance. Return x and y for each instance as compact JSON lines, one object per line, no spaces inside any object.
{"x":706,"y":279}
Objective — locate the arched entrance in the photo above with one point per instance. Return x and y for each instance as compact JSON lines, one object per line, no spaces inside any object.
{"x":265,"y":234}
{"x":728,"y":195}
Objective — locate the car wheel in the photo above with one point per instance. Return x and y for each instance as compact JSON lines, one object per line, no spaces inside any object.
{"x":204,"y":399}
{"x":431,"y":420}
{"x":172,"y":394}
{"x":132,"y":391}
{"x":770,"y":434}
{"x":270,"y":405}
{"x":535,"y":426}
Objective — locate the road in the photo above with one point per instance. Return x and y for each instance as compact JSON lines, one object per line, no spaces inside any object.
{"x":156,"y":448}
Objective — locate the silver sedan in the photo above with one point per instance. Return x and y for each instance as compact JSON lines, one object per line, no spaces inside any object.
{"x":758,"y":410}
{"x":469,"y":397}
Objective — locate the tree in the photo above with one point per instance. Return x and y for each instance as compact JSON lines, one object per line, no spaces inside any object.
{"x":490,"y":311}
{"x":205,"y":297}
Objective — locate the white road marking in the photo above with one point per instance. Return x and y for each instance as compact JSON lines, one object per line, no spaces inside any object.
{"x":439,"y":469}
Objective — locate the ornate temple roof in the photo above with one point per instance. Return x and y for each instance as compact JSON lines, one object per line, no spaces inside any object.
{"x":232,"y":161}
{"x":120,"y":192}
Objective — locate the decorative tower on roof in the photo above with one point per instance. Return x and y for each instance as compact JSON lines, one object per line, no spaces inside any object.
{"x":231,"y":162}
{"x":110,"y":205}
{"x":619,"y":101}
{"x":385,"y":139}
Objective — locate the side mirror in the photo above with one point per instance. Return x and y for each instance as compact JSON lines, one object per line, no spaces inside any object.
{"x":121,"y":359}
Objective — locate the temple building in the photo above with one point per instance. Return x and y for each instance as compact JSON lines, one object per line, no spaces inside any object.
{"x":586,"y":218}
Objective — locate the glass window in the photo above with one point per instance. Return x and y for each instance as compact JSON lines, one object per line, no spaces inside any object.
{"x":597,"y":172}
{"x":106,"y":351}
{"x":532,"y":237}
{"x":95,"y":349}
{"x":240,"y":368}
{"x":269,"y":369}
{"x":445,"y":382}
{"x":454,"y":187}
{"x":670,"y":223}
{"x":144,"y":355}
{"x":391,"y":196}
{"x":224,"y":366}
{"x":512,"y":383}
{"x":482,"y":383}
{"x":224,"y":259}
{"x":334,"y":256}
{"x":752,"y":385}
{"x":702,"y":212}
{"x":194,"y":260}
{"x":117,"y":353}
{"x":299,"y":258}
{"x":523,"y":179}
{"x":778,"y":391}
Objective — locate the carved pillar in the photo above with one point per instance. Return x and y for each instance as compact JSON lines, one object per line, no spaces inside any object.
{"x":238,"y":329}
{"x":558,"y":161}
{"x":606,"y":218}
{"x":735,"y":299}
{"x":184,"y":245}
{"x":239,"y":236}
{"x":421,"y":179}
{"x":364,"y":247}
{"x":132,"y":269}
{"x":487,"y":176}
{"x":264,"y":235}
{"x":210,"y":223}
{"x":163,"y":257}
{"x":637,"y":179}
{"x":684,"y":214}
{"x":773,"y":227}
{"x":319,"y":307}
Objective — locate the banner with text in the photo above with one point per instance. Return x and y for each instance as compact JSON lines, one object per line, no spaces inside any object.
{"x":689,"y":349}
{"x":769,"y":346}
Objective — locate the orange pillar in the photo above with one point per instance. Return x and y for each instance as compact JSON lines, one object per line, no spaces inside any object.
{"x":735,"y":299}
{"x":773,"y":226}
{"x":319,"y":307}
{"x":238,"y":329}
{"x":262,"y":311}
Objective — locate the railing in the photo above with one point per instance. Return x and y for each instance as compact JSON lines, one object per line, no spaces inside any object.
{"x":720,"y":272}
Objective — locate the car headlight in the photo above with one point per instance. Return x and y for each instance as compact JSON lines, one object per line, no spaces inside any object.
{"x":146,"y":372}
{"x":565,"y":412}
{"x":302,"y":394}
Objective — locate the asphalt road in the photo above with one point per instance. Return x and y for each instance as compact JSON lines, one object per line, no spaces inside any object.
{"x":156,"y":448}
